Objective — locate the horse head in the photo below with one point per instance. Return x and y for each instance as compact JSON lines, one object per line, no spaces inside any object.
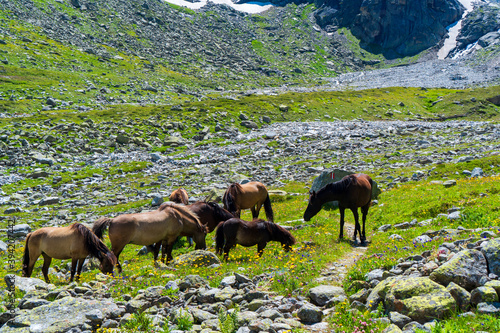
{"x":108,"y":263}
{"x":313,"y":207}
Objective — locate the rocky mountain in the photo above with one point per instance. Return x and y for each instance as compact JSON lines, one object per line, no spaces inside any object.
{"x":479,"y":29}
{"x":394,"y":28}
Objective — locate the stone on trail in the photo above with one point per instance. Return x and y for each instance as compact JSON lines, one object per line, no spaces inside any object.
{"x":310,"y":313}
{"x":320,"y":295}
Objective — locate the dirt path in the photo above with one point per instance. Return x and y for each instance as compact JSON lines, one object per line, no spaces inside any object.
{"x":335,"y":272}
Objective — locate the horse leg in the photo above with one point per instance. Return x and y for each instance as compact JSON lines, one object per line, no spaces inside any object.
{"x":364,"y":211}
{"x":357,"y":228}
{"x":342,"y":211}
{"x":228,"y":246}
{"x":74,"y":263}
{"x":156,"y":250}
{"x":45,"y":269}
{"x":31,"y":263}
{"x":79,"y":269}
{"x":258,"y":206}
{"x":168,"y":249}
{"x":117,"y":251}
{"x":255,"y":212}
{"x":260,"y":248}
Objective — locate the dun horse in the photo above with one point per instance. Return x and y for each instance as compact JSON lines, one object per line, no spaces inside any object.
{"x":257,"y":232}
{"x":250,"y":195}
{"x":351,"y":192}
{"x":75,"y":242}
{"x":159,"y":227}
{"x":179,"y":196}
{"x":210,"y":213}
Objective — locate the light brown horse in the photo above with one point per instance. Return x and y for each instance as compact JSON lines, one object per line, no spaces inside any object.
{"x":179,"y":196}
{"x":351,"y":192}
{"x":159,"y":227}
{"x":75,"y":242}
{"x":249,"y":233}
{"x":250,"y":195}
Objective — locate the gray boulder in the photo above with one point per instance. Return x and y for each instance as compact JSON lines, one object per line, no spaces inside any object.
{"x":483,"y":295}
{"x":192,"y":281}
{"x":492,"y":254}
{"x":49,"y":201}
{"x":19,"y":230}
{"x":461,"y":296}
{"x":63,"y":315}
{"x":399,"y":319}
{"x":334,"y":175}
{"x":320,"y":295}
{"x":310,"y":313}
{"x":201,"y":258}
{"x":3,"y":247}
{"x":466,"y":269}
{"x":420,"y":298}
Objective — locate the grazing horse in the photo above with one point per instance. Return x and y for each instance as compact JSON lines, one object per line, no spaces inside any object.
{"x":210,"y":213}
{"x":159,"y":227}
{"x":250,"y":195}
{"x":249,"y":233}
{"x":75,"y":242}
{"x":179,"y":196}
{"x":351,"y":192}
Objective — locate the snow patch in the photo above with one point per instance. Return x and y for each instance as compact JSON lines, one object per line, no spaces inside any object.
{"x":253,"y":7}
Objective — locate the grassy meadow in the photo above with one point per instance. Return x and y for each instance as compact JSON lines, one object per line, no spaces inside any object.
{"x":295,"y":272}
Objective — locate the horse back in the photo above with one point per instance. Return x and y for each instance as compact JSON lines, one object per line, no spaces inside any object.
{"x":144,"y":228}
{"x":59,"y":242}
{"x":252,"y":193}
{"x":360,"y":190}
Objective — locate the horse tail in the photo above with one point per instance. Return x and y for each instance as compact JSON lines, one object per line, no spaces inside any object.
{"x":100,"y":226}
{"x":219,"y":238}
{"x":371,"y":187}
{"x":268,"y":209}
{"x":26,"y":257}
{"x":229,"y":199}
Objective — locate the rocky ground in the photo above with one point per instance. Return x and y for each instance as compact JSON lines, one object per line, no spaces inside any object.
{"x":272,"y":154}
{"x":356,"y":145}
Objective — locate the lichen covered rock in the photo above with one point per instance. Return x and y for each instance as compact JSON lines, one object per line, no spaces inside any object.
{"x":466,"y":269}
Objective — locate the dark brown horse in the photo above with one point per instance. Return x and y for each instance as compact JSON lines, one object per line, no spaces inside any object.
{"x":159,"y":227}
{"x":210,"y":213}
{"x":74,"y":242}
{"x":351,"y":192}
{"x":179,"y":196}
{"x":250,"y":195}
{"x":249,"y":233}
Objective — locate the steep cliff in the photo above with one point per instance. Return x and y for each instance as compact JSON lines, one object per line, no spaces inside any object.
{"x":392,"y":27}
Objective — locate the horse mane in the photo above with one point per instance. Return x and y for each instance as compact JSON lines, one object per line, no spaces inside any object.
{"x":92,"y":243}
{"x":187,"y":213}
{"x":218,"y":209}
{"x":340,"y":186}
{"x":231,"y":193}
{"x":279,"y":233}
